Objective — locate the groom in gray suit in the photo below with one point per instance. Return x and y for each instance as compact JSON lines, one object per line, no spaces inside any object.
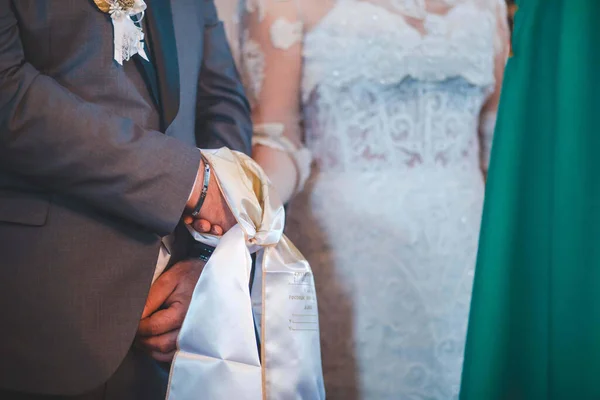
{"x":98,"y":165}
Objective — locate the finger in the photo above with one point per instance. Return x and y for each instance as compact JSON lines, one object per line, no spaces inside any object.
{"x":188,"y":220}
{"x":216,"y":230}
{"x":162,"y":357}
{"x":165,"y":343}
{"x":201,"y":225}
{"x":163,"y":321}
{"x":159,"y":292}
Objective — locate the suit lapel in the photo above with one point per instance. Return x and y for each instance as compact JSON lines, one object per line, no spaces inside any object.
{"x":163,"y":53}
{"x":148,"y":72}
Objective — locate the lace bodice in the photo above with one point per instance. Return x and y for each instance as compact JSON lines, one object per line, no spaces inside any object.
{"x":359,"y":40}
{"x":381,"y":82}
{"x":413,"y":125}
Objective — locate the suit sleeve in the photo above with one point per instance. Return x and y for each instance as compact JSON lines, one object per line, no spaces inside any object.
{"x":223,"y":111}
{"x":56,"y":140}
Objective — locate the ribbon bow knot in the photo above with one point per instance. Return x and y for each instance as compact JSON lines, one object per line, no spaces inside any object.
{"x":218,"y":354}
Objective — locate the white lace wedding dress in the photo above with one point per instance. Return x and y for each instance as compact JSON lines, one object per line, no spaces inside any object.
{"x":396,"y":101}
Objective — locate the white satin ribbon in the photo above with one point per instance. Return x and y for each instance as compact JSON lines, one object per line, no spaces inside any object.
{"x":217,"y":355}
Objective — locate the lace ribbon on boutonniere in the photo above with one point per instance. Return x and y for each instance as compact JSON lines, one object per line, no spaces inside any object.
{"x":126,"y":16}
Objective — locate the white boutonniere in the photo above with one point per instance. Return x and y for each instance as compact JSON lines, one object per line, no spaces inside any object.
{"x":126,"y":16}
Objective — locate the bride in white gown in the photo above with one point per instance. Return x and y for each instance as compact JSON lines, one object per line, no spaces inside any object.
{"x":396,"y":102}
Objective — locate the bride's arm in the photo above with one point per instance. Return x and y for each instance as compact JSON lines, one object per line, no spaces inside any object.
{"x":272,"y":70}
{"x":489,"y":111}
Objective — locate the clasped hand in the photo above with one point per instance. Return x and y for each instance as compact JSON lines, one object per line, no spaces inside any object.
{"x":215,"y":216}
{"x":167,"y":304}
{"x":170,"y":296}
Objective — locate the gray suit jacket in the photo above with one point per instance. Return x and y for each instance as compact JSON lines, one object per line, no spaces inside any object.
{"x":96,"y":163}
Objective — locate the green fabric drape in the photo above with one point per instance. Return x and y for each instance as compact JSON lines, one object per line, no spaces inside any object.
{"x":534,"y":329}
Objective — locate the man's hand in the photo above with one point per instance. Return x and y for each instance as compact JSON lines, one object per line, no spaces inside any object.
{"x":203,"y":226}
{"x":166,"y":307}
{"x":215,"y":216}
